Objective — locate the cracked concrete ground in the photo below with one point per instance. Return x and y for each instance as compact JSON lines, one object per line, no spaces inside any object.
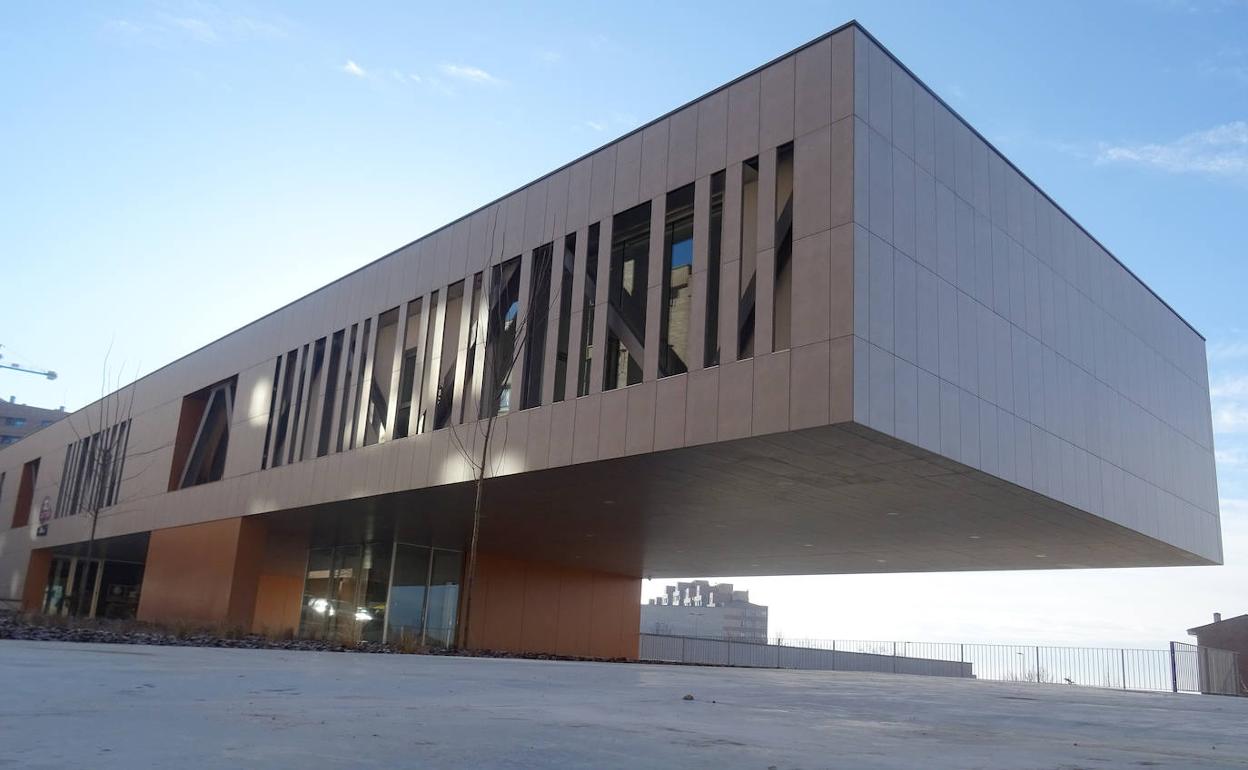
{"x":102,"y":706}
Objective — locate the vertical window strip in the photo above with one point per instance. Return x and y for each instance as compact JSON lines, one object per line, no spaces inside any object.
{"x":567,"y":266}
{"x":749,"y":258}
{"x":344,"y":413}
{"x":586,"y":357}
{"x":677,"y":283}
{"x":268,"y":431}
{"x":710,"y":351}
{"x":782,"y":290}
{"x":534,"y":334}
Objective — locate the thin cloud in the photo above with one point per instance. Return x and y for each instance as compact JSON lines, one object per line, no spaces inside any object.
{"x":1230,"y":388}
{"x":197,"y":28}
{"x":1230,"y":418}
{"x":1228,"y":350}
{"x":1219,"y":151}
{"x":596,"y":125}
{"x":351,"y":68}
{"x":469,"y":74}
{"x":211,"y":27}
{"x":1231,"y":458}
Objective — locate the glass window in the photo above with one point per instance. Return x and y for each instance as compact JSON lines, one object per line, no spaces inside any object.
{"x":710,"y":351}
{"x":501,"y":341}
{"x":586,"y":357}
{"x":407,"y":369}
{"x":782,"y":305}
{"x":383,"y":375}
{"x":284,"y":403}
{"x":358,"y":395}
{"x":474,"y":337}
{"x":626,"y":297}
{"x":408,"y":589}
{"x":749,"y":258}
{"x":423,"y":398}
{"x":677,"y":283}
{"x":449,"y":355}
{"x":443,"y":598}
{"x":298,"y":409}
{"x":203,"y":436}
{"x":331,"y":390}
{"x":536,"y":325}
{"x":344,"y":413}
{"x":565,"y":316}
{"x":316,"y":384}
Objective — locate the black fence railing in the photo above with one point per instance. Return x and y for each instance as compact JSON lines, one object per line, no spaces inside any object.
{"x":1181,"y":668}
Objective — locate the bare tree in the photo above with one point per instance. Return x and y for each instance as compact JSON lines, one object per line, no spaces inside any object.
{"x":497,"y":389}
{"x":94,"y":464}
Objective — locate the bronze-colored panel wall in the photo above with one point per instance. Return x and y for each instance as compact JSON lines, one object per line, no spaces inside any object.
{"x":279,"y":588}
{"x":525,"y":606}
{"x":36,"y":579}
{"x":203,"y":573}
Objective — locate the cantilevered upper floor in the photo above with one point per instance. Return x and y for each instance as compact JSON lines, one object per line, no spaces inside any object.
{"x":812,"y":307}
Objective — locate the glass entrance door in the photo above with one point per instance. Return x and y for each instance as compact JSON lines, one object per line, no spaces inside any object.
{"x":344,"y":595}
{"x":73,"y":586}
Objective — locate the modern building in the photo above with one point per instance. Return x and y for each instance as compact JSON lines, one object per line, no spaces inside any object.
{"x":810,"y":322}
{"x":698,"y":608}
{"x":17,"y":421}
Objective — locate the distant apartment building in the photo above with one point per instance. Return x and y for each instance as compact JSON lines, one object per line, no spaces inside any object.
{"x":700,"y":608}
{"x":17,"y":421}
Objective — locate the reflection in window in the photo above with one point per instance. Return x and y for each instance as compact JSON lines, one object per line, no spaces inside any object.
{"x":500,"y":345}
{"x":284,"y":404}
{"x":440,"y":615}
{"x":331,"y":390}
{"x":91,"y":475}
{"x":677,"y":285}
{"x":424,"y":596}
{"x":474,"y":337}
{"x":383,"y":374}
{"x":293,"y":438}
{"x":358,"y":395}
{"x":535,"y":326}
{"x":344,"y":413}
{"x":782,"y":317}
{"x":626,"y":297}
{"x":714,"y":242}
{"x":450,"y":350}
{"x":407,"y":369}
{"x":749,"y":258}
{"x":565,"y":315}
{"x":209,"y":413}
{"x":344,"y":594}
{"x":316,"y":381}
{"x":586,"y":357}
{"x":425,"y":398}
{"x":408,"y":588}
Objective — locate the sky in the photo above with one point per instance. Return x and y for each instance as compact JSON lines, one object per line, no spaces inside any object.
{"x":174,"y":170}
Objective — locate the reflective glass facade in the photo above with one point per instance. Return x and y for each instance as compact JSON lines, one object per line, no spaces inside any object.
{"x":381,"y":591}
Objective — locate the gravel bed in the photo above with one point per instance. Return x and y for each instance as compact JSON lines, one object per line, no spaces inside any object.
{"x":130,"y":632}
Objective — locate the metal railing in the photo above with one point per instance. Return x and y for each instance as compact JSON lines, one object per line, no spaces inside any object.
{"x":1181,"y":668}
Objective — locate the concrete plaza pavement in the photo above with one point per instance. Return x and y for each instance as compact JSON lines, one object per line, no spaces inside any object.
{"x":116,"y":706}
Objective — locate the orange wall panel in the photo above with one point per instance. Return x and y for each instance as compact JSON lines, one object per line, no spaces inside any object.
{"x":36,"y":579}
{"x":525,"y":606}
{"x":278,"y":602}
{"x":203,"y":573}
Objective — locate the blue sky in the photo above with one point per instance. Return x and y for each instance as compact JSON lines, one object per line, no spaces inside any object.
{"x":176,"y":169}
